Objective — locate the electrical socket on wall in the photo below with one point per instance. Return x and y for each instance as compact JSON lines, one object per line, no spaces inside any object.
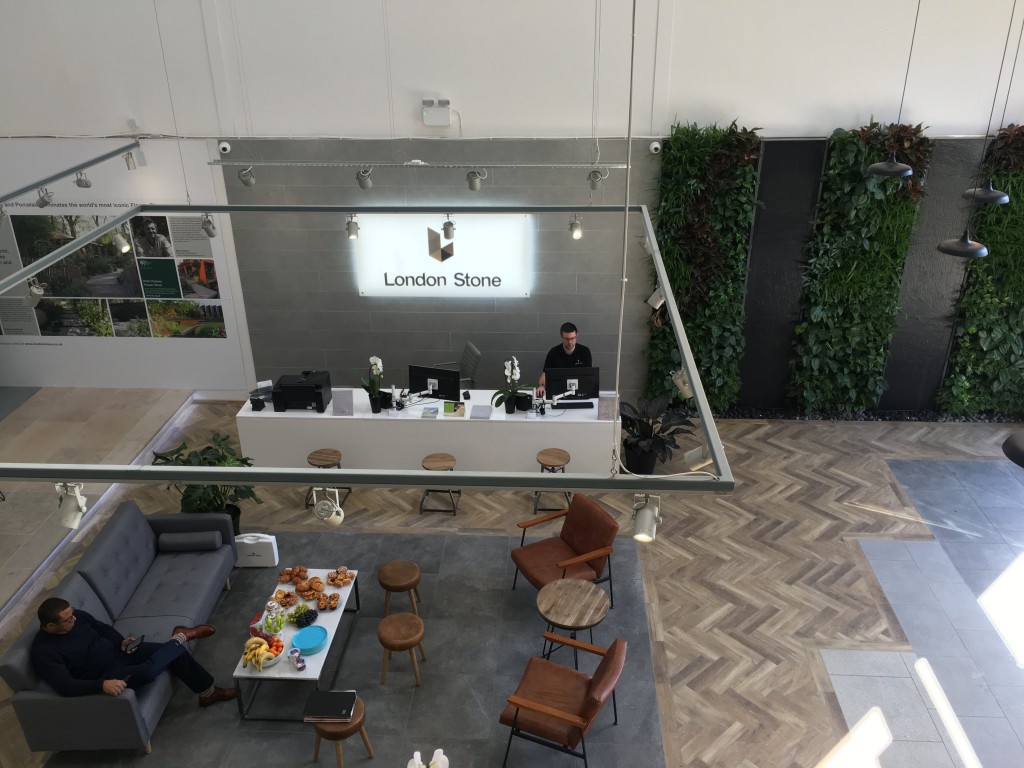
{"x":437,"y":114}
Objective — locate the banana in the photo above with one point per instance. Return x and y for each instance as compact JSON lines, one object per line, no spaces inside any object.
{"x":255,"y":647}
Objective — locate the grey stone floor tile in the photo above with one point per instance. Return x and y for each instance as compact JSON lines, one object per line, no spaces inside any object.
{"x":929,"y":631}
{"x":864,"y":663}
{"x":933,"y":561}
{"x":980,"y":580}
{"x":950,"y":747}
{"x":965,"y":687}
{"x":993,"y":658}
{"x":884,"y":549}
{"x":979,"y":556}
{"x":953,"y":516}
{"x":904,"y":710}
{"x":994,"y":741}
{"x":903,"y":582}
{"x":916,"y":754}
{"x":1011,"y":701}
{"x":961,"y":606}
{"x":1005,"y":519}
{"x":925,"y":475}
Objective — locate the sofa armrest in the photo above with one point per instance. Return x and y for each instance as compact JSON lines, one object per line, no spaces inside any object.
{"x":187,"y":522}
{"x":56,"y":723}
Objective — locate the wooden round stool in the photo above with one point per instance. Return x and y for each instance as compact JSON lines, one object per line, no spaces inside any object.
{"x":551,"y":460}
{"x":400,"y":576}
{"x":325,"y":458}
{"x":439,"y":462}
{"x":338,"y":732}
{"x":401,"y":632}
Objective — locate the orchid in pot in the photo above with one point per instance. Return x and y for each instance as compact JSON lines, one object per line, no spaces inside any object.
{"x":507,"y":394}
{"x":373,"y":384}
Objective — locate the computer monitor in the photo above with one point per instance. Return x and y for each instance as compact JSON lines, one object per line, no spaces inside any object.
{"x":580,"y":382}
{"x":442,"y":383}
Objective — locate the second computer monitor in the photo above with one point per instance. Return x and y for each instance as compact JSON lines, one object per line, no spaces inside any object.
{"x":443,"y":383}
{"x":580,"y":382}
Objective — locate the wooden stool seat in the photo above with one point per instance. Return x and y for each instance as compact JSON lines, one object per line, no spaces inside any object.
{"x":551,"y":460}
{"x":400,"y":576}
{"x":325,"y":458}
{"x":401,"y":632}
{"x":439,"y":462}
{"x":338,"y":732}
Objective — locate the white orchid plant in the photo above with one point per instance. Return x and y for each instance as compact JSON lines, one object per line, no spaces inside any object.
{"x":512,"y":386}
{"x":376,"y":375}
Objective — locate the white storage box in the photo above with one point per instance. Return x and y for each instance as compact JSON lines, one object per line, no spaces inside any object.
{"x":256,"y":550}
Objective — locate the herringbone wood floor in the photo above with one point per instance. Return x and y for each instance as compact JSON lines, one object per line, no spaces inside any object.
{"x":742,"y":590}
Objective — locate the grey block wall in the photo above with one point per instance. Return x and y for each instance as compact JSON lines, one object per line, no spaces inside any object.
{"x":298,"y":280}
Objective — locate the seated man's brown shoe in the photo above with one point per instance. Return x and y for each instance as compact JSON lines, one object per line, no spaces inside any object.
{"x":197,"y":632}
{"x":216,"y":695}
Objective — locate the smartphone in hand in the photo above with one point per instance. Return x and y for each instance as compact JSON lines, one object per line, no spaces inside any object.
{"x":134,"y":644}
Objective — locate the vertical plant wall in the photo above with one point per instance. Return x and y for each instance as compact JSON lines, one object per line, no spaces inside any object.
{"x":707,"y":199}
{"x":986,"y":365}
{"x":854,"y":269}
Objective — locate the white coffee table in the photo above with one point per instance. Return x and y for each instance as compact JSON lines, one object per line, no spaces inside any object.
{"x":285,"y":671}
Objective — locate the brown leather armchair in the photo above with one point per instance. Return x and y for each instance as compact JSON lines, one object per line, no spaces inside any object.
{"x":555,"y":706}
{"x":581,"y":550}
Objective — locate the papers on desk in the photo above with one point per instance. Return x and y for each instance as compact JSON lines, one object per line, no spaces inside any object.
{"x":429,"y":412}
{"x":454,"y":410}
{"x":480,"y":412}
{"x":606,"y":407}
{"x":341,"y":402}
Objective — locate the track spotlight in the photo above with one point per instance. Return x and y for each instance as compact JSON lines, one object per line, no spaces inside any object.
{"x":363,"y":178}
{"x":449,"y":229}
{"x":82,"y":181}
{"x":328,"y":510}
{"x":646,"y":516}
{"x":129,"y":160}
{"x":247,"y":177}
{"x":45,"y":197}
{"x":473,"y":179}
{"x":576,"y":228}
{"x":696,"y":458}
{"x":352,"y":228}
{"x":72,"y":516}
{"x":121,"y":244}
{"x":208,"y":226}
{"x":657,"y":298}
{"x":963,"y":247}
{"x":595,"y":177}
{"x":682,"y":382}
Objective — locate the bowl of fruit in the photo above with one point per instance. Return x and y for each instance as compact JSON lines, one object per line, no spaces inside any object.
{"x":262,"y":653}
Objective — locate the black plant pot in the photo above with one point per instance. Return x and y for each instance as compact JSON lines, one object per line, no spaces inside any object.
{"x":639,"y":462}
{"x":524,"y":402}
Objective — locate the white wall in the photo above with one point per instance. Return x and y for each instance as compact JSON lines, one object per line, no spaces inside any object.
{"x":523,"y":69}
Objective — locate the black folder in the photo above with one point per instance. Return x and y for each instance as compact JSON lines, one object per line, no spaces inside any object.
{"x":329,"y":707}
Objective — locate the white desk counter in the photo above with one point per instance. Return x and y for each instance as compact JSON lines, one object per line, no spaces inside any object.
{"x":400,"y":439}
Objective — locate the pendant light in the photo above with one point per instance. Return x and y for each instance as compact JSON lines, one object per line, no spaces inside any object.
{"x":891,"y":167}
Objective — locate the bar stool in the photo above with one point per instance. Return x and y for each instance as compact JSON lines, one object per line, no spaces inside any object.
{"x":400,"y":576}
{"x":439,"y":462}
{"x":401,"y":632}
{"x":325,"y":458}
{"x":338,"y":732}
{"x":551,"y":460}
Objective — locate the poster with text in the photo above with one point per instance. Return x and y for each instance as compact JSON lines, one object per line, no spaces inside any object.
{"x":159,"y":279}
{"x":198,"y":279}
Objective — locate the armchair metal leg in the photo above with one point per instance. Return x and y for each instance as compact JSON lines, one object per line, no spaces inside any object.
{"x":515,"y":578}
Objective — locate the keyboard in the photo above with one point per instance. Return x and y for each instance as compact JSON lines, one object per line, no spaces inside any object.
{"x":574,"y":404}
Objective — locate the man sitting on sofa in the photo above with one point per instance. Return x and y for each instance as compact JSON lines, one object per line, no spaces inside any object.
{"x":77,"y":655}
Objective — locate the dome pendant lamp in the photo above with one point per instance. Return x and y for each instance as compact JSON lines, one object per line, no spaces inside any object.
{"x":987,"y":195}
{"x":964,"y":247}
{"x":891,"y":168}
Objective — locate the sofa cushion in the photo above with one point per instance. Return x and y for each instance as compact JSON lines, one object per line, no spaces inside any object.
{"x":119,"y":558}
{"x":193,"y":541}
{"x":182,"y":584}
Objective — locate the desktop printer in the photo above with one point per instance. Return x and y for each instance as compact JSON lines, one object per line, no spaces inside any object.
{"x":310,"y":389}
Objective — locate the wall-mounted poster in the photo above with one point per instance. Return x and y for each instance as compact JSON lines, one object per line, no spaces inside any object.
{"x":159,"y":279}
{"x":129,"y":317}
{"x":187,"y":319}
{"x":198,"y":279}
{"x":151,"y":237}
{"x":74,"y":317}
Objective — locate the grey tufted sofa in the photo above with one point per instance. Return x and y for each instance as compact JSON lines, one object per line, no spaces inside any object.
{"x":144,"y":575}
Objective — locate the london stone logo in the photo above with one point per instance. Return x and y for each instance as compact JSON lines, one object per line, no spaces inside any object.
{"x":437,"y":251}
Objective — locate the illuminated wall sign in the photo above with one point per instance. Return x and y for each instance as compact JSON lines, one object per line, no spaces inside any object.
{"x":408,"y":255}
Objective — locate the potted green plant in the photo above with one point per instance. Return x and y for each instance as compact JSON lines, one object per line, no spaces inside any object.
{"x":507,"y":394}
{"x":650,"y":433}
{"x":210,"y":498}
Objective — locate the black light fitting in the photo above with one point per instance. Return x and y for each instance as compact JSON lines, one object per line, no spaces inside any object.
{"x":964,"y":247}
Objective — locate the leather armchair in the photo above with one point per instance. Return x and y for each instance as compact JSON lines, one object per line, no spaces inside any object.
{"x":581,"y":550}
{"x":555,"y":706}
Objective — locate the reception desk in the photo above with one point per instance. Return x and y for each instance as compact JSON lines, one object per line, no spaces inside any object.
{"x":400,"y":439}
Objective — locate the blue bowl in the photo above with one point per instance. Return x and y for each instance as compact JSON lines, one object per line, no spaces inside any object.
{"x":310,"y":640}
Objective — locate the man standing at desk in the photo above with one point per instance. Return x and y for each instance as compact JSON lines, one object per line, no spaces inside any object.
{"x":568,"y":354}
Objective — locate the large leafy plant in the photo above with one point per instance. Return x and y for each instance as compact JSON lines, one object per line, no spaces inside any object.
{"x":707,"y":198}
{"x":986,"y":365}
{"x":208,"y":498}
{"x":651,"y":428}
{"x":854,"y":269}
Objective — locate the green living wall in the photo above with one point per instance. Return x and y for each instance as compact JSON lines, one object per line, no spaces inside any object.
{"x":986,"y":363}
{"x":851,"y":282}
{"x":707,"y":198}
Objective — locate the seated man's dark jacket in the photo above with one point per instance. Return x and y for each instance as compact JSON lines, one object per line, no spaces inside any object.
{"x":74,"y":663}
{"x":557,"y":358}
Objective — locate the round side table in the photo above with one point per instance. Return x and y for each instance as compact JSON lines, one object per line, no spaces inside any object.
{"x":573,"y":605}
